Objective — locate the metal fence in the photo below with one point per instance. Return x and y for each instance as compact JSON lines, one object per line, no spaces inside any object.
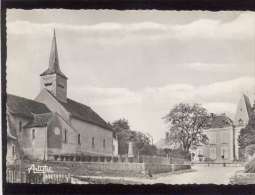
{"x":47,"y":178}
{"x":12,"y":174}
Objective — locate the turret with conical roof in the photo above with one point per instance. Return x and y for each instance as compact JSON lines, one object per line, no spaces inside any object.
{"x":53,"y":79}
{"x":243,"y":111}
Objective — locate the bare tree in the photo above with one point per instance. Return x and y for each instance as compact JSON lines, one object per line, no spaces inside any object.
{"x":186,"y":124}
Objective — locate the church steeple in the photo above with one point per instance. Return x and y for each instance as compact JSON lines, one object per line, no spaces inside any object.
{"x":53,"y":79}
{"x":53,"y":61}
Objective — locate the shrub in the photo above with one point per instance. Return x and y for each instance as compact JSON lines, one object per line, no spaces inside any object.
{"x":250,"y":150}
{"x":250,"y":167}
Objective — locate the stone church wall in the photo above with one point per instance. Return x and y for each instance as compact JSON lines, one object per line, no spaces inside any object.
{"x":36,"y":147}
{"x":88,"y":131}
{"x":57,"y":143}
{"x":15,"y":120}
{"x":52,"y":104}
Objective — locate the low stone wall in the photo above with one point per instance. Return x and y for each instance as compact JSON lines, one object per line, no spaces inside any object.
{"x":113,"y":169}
{"x":164,"y":168}
{"x":242,"y":178}
{"x":100,"y":168}
{"x":180,"y":167}
{"x":158,"y":168}
{"x":219,"y":164}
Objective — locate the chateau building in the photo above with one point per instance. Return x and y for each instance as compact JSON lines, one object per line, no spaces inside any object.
{"x":223,"y":135}
{"x":53,"y":126}
{"x":220,"y":140}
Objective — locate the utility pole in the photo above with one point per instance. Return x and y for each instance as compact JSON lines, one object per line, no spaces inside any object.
{"x":234,"y":144}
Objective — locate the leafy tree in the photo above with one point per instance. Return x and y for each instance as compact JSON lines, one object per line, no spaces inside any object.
{"x":125,"y":134}
{"x":120,"y":125}
{"x":247,"y":134}
{"x":186,"y":124}
{"x":250,"y":149}
{"x":142,"y":144}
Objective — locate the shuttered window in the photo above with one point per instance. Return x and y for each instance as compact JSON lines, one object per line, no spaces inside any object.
{"x":212,"y":153}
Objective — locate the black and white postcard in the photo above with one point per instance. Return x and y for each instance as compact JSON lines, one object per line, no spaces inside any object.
{"x":130,"y":97}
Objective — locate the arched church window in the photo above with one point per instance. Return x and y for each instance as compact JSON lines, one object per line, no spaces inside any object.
{"x":104,"y":143}
{"x":33,"y":133}
{"x":93,"y":142}
{"x":13,"y":150}
{"x":65,"y":136}
{"x":20,"y":126}
{"x":79,"y":139}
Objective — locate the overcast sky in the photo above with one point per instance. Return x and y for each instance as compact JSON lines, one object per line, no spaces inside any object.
{"x":136,"y":64}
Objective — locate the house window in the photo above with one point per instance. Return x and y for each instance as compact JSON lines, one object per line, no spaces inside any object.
{"x":93,"y":142}
{"x":104,"y":144}
{"x":212,"y":154}
{"x":33,"y":134}
{"x":212,"y":137}
{"x":13,"y":150}
{"x":224,"y":137}
{"x":20,"y":126}
{"x":79,"y":139}
{"x":65,"y":136}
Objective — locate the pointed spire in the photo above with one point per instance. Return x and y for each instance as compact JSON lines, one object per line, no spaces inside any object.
{"x":53,"y":61}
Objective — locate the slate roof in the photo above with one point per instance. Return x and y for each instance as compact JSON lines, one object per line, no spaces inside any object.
{"x":248,"y":105}
{"x":11,"y":133}
{"x":40,"y":120}
{"x":25,"y":107}
{"x":84,"y":113}
{"x":218,"y":121}
{"x":53,"y":61}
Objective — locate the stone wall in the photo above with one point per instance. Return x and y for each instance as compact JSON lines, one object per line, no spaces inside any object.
{"x":101,"y":168}
{"x":35,"y":148}
{"x":88,"y":131}
{"x":52,"y":104}
{"x":114,"y":169}
{"x":242,"y":178}
{"x":164,"y":168}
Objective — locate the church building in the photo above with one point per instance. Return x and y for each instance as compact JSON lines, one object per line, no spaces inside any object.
{"x":55,"y":127}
